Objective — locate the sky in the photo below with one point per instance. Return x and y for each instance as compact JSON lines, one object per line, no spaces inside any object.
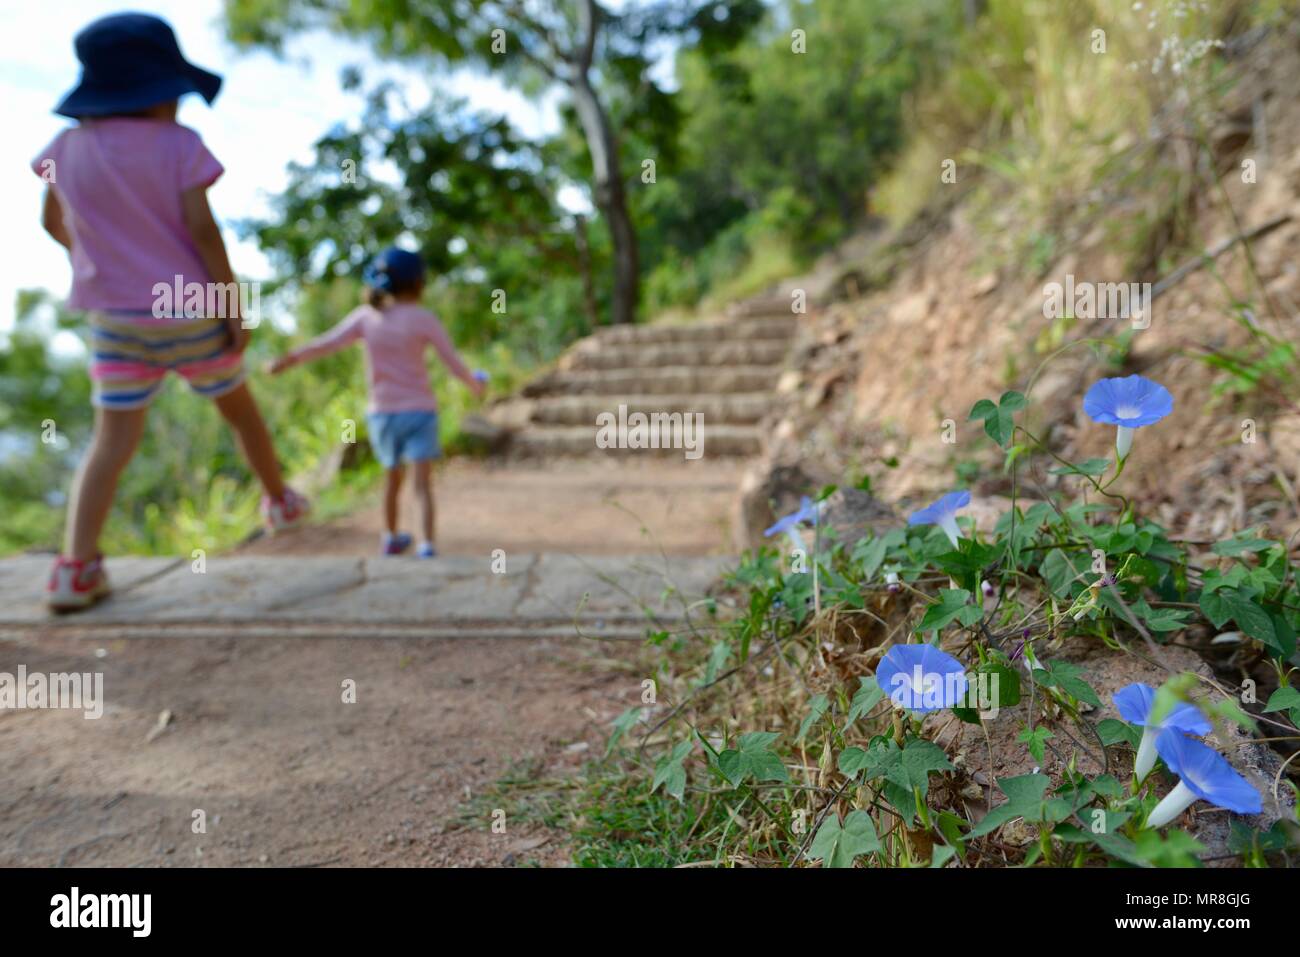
{"x":269,"y":113}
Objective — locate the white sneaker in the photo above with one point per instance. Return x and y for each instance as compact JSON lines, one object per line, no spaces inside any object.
{"x":286,"y":511}
{"x":75,"y":585}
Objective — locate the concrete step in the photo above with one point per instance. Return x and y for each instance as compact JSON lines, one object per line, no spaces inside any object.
{"x":743,"y":408}
{"x":594,"y":354}
{"x":761,"y":308}
{"x":675,"y":380}
{"x":714,"y":441}
{"x":751,"y":329}
{"x":361,"y":597}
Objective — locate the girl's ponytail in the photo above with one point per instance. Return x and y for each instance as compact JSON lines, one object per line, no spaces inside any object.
{"x":376,"y":298}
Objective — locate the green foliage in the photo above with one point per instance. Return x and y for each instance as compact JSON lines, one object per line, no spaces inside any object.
{"x":838,"y":845}
{"x":875,"y":776}
{"x":754,"y":758}
{"x":188,"y":486}
{"x":758,"y":186}
{"x":507,"y":265}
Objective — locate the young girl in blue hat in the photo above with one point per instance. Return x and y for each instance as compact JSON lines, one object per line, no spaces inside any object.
{"x":403,"y":414}
{"x":126,"y":195}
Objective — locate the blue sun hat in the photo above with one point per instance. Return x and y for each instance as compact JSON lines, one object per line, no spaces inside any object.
{"x":394,"y":269}
{"x":130,"y":62}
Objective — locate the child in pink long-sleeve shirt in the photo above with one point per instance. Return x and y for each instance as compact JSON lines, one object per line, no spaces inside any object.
{"x":403,"y":414}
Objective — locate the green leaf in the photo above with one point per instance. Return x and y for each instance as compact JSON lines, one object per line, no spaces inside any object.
{"x":1059,"y":573}
{"x":868,"y":695}
{"x":1240,"y":543}
{"x":1283,"y":698}
{"x":1114,"y":731}
{"x":992,"y":676}
{"x":1229,"y":710}
{"x":953,"y":604}
{"x":870,"y":553}
{"x":624,"y":723}
{"x":1092,"y":467}
{"x":1159,"y":619}
{"x":670,"y":772}
{"x":1177,"y":849}
{"x":754,"y":758}
{"x":1066,"y":676}
{"x":906,"y":770}
{"x":951,"y":826}
{"x":1250,"y":617}
{"x":920,"y":759}
{"x":1215,"y":608}
{"x":836,"y":844}
{"x":1036,"y":740}
{"x":1012,"y":401}
{"x":941,"y":854}
{"x":999,"y":421}
{"x":1024,"y":799}
{"x":819,"y":705}
{"x":853,"y":760}
{"x":1244,"y":839}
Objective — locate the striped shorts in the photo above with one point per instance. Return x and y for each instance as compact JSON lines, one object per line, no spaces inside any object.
{"x":131,"y":354}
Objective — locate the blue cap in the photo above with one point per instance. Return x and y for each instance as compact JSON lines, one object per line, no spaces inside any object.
{"x":129,"y":62}
{"x":394,"y":268}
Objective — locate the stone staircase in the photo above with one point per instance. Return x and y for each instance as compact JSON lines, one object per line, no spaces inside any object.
{"x":725,"y":370}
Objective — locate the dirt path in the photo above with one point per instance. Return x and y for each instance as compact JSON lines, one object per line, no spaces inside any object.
{"x":585,"y":507}
{"x":286,"y":773}
{"x":253,"y":730}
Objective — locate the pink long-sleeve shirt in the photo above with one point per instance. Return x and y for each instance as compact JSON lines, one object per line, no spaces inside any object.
{"x":395,"y":339}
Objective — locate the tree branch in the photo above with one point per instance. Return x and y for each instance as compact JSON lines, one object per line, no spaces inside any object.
{"x":589,"y":13}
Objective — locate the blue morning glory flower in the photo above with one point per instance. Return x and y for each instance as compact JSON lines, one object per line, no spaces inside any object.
{"x":943,"y":513}
{"x":1203,"y":774}
{"x":1127,"y":402}
{"x":921,"y":678}
{"x":807,"y":513}
{"x":789,"y":524}
{"x":1135,"y":702}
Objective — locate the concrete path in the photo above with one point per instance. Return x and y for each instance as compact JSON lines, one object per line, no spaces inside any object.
{"x":533,"y":596}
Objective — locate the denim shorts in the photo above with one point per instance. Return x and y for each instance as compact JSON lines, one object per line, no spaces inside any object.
{"x":404,"y":436}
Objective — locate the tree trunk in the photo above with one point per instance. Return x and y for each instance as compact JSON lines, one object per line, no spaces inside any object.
{"x":584,"y":266}
{"x":610,"y":196}
{"x":973,"y":10}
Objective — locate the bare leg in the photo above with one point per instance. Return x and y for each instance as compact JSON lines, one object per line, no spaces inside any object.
{"x":424,"y":498}
{"x":117,"y":435}
{"x":392,"y":496}
{"x":240,"y":409}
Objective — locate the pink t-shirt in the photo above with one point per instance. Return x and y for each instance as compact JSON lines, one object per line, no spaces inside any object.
{"x":119,"y":183}
{"x":395,"y":339}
